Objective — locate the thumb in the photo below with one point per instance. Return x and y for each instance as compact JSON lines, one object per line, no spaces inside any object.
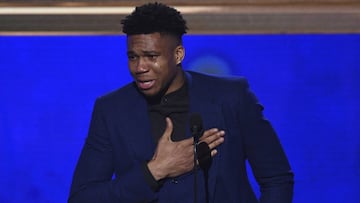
{"x":168,"y":130}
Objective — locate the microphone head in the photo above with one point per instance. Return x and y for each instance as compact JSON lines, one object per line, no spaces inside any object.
{"x":196,"y":126}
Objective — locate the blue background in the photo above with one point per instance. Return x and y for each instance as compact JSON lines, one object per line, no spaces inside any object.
{"x":309,"y":85}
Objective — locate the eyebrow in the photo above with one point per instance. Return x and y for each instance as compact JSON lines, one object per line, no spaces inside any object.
{"x":144,"y":52}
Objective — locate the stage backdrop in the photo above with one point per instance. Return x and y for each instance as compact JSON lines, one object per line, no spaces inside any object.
{"x":309,"y":85}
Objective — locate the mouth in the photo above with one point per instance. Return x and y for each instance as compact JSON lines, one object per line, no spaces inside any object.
{"x":145,"y":84}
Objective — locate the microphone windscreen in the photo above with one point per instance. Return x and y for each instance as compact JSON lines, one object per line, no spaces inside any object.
{"x":196,"y":123}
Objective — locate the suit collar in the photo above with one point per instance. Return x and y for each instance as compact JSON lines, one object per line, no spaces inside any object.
{"x":138,"y":127}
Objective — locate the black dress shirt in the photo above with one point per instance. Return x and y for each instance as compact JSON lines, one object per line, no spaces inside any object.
{"x":174,"y":105}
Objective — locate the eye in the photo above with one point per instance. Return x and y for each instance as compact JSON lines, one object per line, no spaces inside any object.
{"x":132,"y":57}
{"x":152,"y":57}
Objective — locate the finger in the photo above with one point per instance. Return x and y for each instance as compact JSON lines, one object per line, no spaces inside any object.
{"x":214,"y":137}
{"x":213,"y":152}
{"x":168,"y":129}
{"x":208,"y":133}
{"x":155,"y":155}
{"x":215,"y":143}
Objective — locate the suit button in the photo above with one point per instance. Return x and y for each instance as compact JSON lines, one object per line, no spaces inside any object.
{"x":174,"y":181}
{"x":164,"y":100}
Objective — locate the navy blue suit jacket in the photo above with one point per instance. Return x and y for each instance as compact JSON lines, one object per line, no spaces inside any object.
{"x":110,"y":167}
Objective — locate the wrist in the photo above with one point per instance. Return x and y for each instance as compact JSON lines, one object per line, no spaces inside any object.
{"x":155,"y":170}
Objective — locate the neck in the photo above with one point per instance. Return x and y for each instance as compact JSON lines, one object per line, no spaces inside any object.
{"x":178,"y":82}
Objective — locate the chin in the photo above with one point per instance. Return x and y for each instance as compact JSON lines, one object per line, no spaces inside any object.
{"x":149,"y":93}
{"x":153,"y":92}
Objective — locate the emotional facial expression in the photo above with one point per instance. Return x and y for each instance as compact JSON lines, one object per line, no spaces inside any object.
{"x":153,"y":61}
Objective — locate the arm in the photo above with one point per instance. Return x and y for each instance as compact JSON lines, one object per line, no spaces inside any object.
{"x":92,"y":180}
{"x":266,"y":155}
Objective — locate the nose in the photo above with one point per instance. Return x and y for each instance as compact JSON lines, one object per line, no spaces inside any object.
{"x":141,"y":66}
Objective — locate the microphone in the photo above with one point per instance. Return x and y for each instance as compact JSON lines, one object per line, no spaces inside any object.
{"x":202,"y":153}
{"x":196,"y":127}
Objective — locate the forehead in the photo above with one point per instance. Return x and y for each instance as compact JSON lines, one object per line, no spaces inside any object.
{"x":148,"y":42}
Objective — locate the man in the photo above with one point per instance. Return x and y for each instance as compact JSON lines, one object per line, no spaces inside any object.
{"x":140,"y":148}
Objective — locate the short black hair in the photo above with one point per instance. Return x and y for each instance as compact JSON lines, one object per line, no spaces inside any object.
{"x":154,"y":17}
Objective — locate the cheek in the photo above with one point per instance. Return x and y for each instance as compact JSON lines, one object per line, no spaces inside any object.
{"x":131,"y":68}
{"x":159,"y":68}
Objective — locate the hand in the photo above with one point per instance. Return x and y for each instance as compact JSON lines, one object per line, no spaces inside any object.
{"x":213,"y":137}
{"x":171,"y":159}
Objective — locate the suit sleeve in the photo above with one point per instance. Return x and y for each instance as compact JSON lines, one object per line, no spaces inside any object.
{"x":93,"y":177}
{"x":265,"y":154}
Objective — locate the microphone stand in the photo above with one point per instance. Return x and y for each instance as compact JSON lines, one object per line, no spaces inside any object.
{"x":205,"y":160}
{"x":202,"y":158}
{"x":195,"y":168}
{"x":196,"y":131}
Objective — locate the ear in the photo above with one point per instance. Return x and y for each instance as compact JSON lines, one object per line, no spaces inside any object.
{"x":179,"y":54}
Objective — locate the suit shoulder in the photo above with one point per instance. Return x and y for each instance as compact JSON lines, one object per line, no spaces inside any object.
{"x":117,"y":96}
{"x":216,"y":81}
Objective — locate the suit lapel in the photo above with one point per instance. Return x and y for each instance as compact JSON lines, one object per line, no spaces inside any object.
{"x":138,"y":128}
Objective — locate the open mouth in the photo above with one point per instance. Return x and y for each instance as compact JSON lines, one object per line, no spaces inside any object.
{"x":144,"y":85}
